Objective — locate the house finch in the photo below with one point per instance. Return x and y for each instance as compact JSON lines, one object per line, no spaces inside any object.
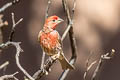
{"x":50,"y":41}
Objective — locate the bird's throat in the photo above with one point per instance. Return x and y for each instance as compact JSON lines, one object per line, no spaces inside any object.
{"x":47,"y":29}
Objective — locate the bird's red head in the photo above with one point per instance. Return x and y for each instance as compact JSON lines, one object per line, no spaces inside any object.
{"x":52,"y":21}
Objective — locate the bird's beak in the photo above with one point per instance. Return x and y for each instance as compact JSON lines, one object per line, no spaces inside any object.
{"x":60,"y":20}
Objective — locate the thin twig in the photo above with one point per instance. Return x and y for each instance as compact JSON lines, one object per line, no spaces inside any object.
{"x":16,"y":44}
{"x":88,"y":65}
{"x":14,"y":25}
{"x":104,"y":57}
{"x":73,"y":9}
{"x":47,"y":9}
{"x":9,"y":77}
{"x":4,"y":65}
{"x":71,"y":36}
{"x":8,"y":5}
{"x":88,"y":68}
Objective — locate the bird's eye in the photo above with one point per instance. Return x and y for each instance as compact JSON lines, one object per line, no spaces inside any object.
{"x":53,"y":20}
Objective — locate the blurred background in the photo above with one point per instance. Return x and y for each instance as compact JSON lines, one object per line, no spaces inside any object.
{"x":96,"y":28}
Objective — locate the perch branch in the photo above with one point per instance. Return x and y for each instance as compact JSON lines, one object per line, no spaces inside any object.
{"x":41,"y":72}
{"x":8,"y":5}
{"x":71,"y":36}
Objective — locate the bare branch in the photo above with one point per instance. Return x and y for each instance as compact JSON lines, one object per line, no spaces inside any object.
{"x":9,"y":77}
{"x":17,"y":45}
{"x":17,"y":60}
{"x":71,"y":36}
{"x":18,"y":51}
{"x":103,"y":57}
{"x":66,"y":31}
{"x":73,"y":9}
{"x":88,"y":68}
{"x":4,"y":65}
{"x":8,"y":5}
{"x":13,"y":27}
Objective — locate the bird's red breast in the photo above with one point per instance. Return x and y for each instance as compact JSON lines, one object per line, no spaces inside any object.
{"x":49,"y":41}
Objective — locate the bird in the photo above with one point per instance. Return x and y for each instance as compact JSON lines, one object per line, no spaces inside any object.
{"x":50,"y":41}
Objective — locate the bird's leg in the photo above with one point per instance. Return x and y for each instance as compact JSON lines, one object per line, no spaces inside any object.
{"x":42,"y":64}
{"x":43,"y":59}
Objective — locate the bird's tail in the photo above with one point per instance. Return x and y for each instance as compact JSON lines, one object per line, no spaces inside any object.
{"x":65,"y":63}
